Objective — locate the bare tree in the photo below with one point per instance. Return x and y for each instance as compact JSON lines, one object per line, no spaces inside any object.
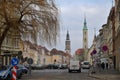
{"x":30,"y":16}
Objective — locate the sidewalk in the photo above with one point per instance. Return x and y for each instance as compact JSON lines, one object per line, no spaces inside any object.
{"x":106,"y":75}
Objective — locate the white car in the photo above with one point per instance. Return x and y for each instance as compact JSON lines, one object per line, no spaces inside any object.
{"x":85,"y":65}
{"x":74,"y":66}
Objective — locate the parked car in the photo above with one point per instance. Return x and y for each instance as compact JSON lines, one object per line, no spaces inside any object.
{"x":85,"y":65}
{"x":74,"y":66}
{"x":33,"y":66}
{"x":7,"y":73}
{"x":24,"y":69}
{"x":40,"y":66}
{"x":52,"y":66}
{"x":63,"y":66}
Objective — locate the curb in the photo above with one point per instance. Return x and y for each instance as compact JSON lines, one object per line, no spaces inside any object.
{"x":96,"y":77}
{"x":90,"y":75}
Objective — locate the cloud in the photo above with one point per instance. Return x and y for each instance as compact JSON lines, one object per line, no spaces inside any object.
{"x":73,"y":15}
{"x":72,"y":18}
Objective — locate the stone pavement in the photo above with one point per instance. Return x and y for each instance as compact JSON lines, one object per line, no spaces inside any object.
{"x":100,"y":75}
{"x":106,"y":75}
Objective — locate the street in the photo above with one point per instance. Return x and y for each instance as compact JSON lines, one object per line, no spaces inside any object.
{"x":55,"y":74}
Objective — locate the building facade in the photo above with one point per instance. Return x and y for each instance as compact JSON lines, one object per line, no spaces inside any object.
{"x":10,"y":46}
{"x":117,"y":33}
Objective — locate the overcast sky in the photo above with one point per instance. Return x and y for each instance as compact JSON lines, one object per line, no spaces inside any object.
{"x":72,"y":18}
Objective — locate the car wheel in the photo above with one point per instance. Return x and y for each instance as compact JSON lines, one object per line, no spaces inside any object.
{"x":19,"y":77}
{"x":26,"y":72}
{"x":79,"y":71}
{"x":69,"y":71}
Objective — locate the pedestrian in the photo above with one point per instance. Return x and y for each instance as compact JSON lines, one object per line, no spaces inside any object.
{"x":106,"y":65}
{"x":103,"y":65}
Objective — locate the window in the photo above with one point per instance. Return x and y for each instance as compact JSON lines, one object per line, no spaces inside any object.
{"x":84,"y":39}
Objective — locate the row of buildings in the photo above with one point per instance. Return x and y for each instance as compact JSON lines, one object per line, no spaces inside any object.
{"x":106,"y":45}
{"x":13,"y":43}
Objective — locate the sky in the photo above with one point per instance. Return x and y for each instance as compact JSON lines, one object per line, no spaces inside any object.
{"x":72,"y":13}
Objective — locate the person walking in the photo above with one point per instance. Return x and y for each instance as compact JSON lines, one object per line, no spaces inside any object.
{"x":106,"y":65}
{"x":103,"y":65}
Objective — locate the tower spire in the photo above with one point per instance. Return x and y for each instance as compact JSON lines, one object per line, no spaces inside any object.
{"x":67,"y":36}
{"x":85,"y":19}
{"x":67,"y":43}
{"x":85,"y":23}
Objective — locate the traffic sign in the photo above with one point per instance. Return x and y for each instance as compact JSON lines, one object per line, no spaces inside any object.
{"x":30,"y":61}
{"x":14,"y":61}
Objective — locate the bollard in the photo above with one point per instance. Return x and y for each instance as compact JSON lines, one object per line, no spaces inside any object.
{"x":14,"y":74}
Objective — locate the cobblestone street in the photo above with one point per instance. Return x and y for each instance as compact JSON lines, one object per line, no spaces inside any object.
{"x":57,"y":75}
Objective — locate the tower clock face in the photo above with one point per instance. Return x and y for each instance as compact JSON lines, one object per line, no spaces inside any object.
{"x":68,"y":47}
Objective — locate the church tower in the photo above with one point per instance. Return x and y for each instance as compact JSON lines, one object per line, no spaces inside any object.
{"x":67,"y":44}
{"x":85,"y":39}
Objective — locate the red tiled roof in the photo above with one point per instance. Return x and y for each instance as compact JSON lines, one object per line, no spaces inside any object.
{"x":46,"y":50}
{"x":79,"y":51}
{"x":54,"y":51}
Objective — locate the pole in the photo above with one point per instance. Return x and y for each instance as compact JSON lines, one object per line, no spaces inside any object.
{"x":14,"y":73}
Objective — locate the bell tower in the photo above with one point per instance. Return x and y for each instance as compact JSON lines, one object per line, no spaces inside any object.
{"x":67,"y":43}
{"x":85,"y":39}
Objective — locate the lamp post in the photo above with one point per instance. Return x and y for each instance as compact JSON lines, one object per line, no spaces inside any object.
{"x":93,"y":60}
{"x":105,"y":50}
{"x":106,"y":55}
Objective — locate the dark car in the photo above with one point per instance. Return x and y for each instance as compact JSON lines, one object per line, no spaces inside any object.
{"x":53,"y":66}
{"x":7,"y":74}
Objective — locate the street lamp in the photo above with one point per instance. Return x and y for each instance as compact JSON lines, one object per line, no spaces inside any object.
{"x":93,"y":60}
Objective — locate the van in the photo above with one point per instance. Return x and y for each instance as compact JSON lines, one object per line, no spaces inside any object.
{"x":74,"y":66}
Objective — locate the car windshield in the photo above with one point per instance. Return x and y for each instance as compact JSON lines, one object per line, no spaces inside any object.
{"x":86,"y":63}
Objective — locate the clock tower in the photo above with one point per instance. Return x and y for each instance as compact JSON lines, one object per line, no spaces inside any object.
{"x":67,"y":44}
{"x":85,"y":39}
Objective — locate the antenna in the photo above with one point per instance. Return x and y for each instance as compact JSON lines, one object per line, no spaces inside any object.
{"x":85,"y":16}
